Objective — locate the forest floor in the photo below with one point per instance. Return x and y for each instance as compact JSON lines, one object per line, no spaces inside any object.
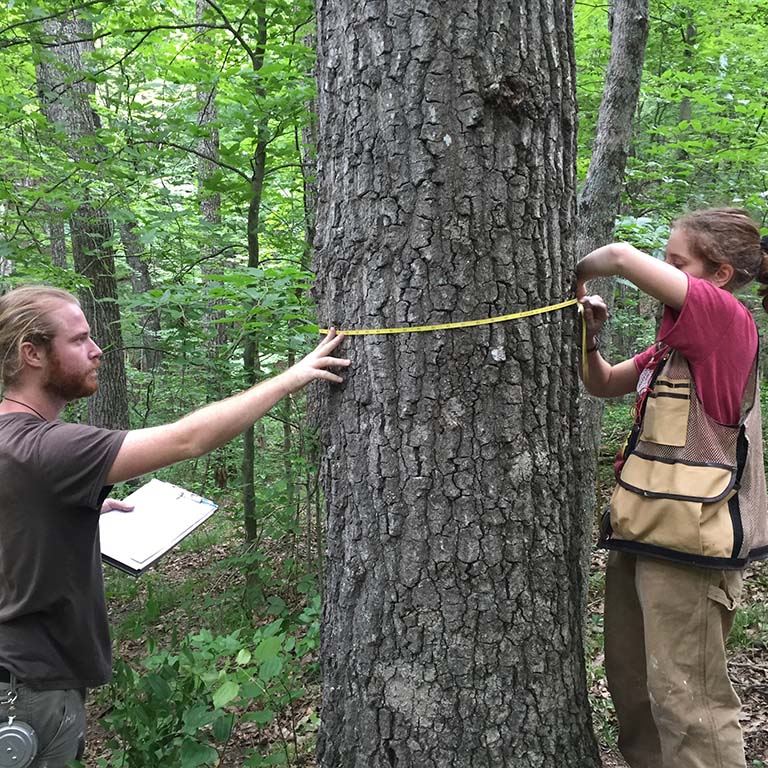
{"x":748,"y":662}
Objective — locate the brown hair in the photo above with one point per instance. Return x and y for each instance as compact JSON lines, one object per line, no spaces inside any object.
{"x":25,"y":316}
{"x":728,"y":236}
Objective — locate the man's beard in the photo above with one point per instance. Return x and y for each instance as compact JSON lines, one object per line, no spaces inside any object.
{"x":69,"y":385}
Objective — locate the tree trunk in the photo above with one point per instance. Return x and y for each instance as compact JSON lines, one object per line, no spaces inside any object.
{"x":689,"y":45}
{"x":601,"y":195}
{"x":313,"y":528}
{"x":210,"y":203}
{"x":150,"y":355}
{"x":67,"y":104}
{"x":452,"y":622}
{"x":218,"y":374}
{"x":58,"y":237}
{"x":251,"y":357}
{"x":91,"y":230}
{"x":252,"y":360}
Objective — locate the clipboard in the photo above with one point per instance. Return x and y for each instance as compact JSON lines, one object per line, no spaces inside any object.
{"x":163,"y":515}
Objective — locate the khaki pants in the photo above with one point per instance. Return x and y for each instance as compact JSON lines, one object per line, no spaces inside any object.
{"x":665,"y":630}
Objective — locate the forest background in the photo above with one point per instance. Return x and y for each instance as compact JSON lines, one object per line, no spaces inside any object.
{"x":162,"y":166}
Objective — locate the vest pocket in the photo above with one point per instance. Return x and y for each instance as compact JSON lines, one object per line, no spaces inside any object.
{"x":688,"y":526}
{"x":651,"y":477}
{"x":717,"y":531}
{"x":667,"y":406}
{"x":659,"y":522}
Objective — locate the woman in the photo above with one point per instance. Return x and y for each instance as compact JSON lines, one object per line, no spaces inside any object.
{"x":689,"y":510}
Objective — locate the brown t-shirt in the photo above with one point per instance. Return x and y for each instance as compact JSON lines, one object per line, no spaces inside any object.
{"x":54,"y":631}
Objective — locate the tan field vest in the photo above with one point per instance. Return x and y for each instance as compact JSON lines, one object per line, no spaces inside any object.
{"x":691,"y":489}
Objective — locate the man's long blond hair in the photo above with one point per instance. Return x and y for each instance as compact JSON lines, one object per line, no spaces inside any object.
{"x":25,"y":315}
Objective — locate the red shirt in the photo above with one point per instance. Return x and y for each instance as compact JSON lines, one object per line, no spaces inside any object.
{"x":717,"y":335}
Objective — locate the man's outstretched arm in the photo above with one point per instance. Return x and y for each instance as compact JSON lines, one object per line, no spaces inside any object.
{"x":197,"y":433}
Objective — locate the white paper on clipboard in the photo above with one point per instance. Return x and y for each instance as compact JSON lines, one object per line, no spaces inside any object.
{"x":163,"y":515}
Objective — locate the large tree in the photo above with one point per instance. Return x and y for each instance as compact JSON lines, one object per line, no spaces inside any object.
{"x":452,"y":625}
{"x":65,"y":92}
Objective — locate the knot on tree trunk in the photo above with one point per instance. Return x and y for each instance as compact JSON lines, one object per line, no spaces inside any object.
{"x":511,"y":95}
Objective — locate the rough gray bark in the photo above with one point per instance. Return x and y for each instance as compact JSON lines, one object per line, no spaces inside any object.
{"x":313,"y":523}
{"x":67,"y":104}
{"x":452,"y":629}
{"x":601,"y":195}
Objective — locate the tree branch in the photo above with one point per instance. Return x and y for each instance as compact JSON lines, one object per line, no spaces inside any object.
{"x":43,"y":42}
{"x":197,"y":153}
{"x":236,"y":33}
{"x":39,"y":20}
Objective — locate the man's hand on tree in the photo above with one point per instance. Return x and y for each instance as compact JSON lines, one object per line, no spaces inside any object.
{"x":316,"y":364}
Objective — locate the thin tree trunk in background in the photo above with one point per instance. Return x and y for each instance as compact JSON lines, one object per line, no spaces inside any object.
{"x":217,"y":381}
{"x":689,"y":42}
{"x":251,"y":360}
{"x":68,"y":104}
{"x":307,"y":147}
{"x":91,"y":231}
{"x":150,"y":355}
{"x":58,"y":236}
{"x":210,"y":202}
{"x":601,"y":195}
{"x":251,"y":349}
{"x":452,"y":628}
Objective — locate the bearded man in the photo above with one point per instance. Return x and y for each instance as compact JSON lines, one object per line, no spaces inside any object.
{"x":54,"y":481}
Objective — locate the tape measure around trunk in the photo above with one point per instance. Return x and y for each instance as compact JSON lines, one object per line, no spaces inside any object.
{"x":463,"y":324}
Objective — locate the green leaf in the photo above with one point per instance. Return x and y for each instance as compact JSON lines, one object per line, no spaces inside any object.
{"x":268,"y":648}
{"x":193,"y":753}
{"x":225,"y":694}
{"x":261,"y":717}
{"x":158,"y":686}
{"x":276,"y":605}
{"x":254,"y":691}
{"x":197,"y":717}
{"x":222,"y":727}
{"x":270,"y":668}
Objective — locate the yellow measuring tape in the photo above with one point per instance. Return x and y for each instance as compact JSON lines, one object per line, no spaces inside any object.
{"x":448,"y":326}
{"x":484,"y":321}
